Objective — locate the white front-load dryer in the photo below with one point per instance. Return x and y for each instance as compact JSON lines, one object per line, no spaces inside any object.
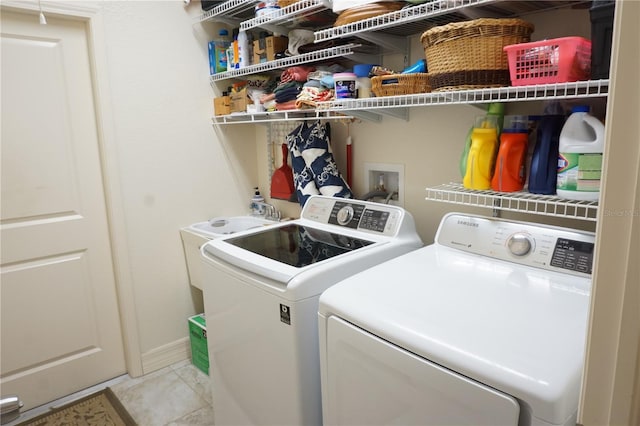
{"x":261,"y":289}
{"x":484,"y":327}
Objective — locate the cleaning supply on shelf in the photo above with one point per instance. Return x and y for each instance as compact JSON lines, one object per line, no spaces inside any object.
{"x":482,"y":153}
{"x":244,"y":53}
{"x":580,"y":159}
{"x":255,"y":208}
{"x":219,"y":48}
{"x":544,"y":161}
{"x":418,"y":67}
{"x":495,"y":109}
{"x":363,"y":82}
{"x":510,"y":173}
{"x":345,"y":85}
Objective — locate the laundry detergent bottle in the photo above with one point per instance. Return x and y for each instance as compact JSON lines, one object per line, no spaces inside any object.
{"x":509,"y":174}
{"x":482,"y":153}
{"x":544,"y":162}
{"x":580,"y":158}
{"x":495,"y":109}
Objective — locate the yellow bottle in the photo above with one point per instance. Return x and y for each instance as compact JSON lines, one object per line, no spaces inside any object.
{"x":482,"y":154}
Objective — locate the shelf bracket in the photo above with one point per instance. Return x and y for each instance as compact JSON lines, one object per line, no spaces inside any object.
{"x":400,"y":113}
{"x":388,"y":42}
{"x":365,"y":58}
{"x":366,"y":115}
{"x":232,"y":22}
{"x":275,"y":29}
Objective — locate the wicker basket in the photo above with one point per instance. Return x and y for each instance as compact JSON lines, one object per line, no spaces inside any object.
{"x":285,"y":3}
{"x":400,"y":84}
{"x":469,"y":55}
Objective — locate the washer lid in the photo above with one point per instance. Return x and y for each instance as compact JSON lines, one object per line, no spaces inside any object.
{"x":297,"y":245}
{"x":518,"y":329}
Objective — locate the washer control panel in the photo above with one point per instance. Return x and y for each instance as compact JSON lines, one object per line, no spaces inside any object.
{"x":381,"y":219}
{"x":548,"y":247}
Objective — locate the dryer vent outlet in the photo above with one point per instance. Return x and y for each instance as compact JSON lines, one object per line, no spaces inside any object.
{"x":384,"y":183}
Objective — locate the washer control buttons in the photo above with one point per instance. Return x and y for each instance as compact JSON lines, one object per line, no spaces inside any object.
{"x":519,"y":244}
{"x":345,"y":215}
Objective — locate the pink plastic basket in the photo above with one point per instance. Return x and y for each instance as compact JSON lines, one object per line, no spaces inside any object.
{"x":557,"y":60}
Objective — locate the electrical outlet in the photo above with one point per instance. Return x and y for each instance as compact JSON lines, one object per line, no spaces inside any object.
{"x":384,"y":180}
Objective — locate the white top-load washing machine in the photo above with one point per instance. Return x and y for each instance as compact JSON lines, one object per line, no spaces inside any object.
{"x":261,"y":289}
{"x":484,"y":327}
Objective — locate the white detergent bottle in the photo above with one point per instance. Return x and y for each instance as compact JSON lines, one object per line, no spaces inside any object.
{"x":580,"y":159}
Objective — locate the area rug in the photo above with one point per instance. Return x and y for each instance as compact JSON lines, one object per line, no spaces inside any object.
{"x":98,"y":409}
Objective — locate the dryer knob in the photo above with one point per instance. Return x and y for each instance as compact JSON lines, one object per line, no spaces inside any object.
{"x":519,"y":244}
{"x":345,"y":215}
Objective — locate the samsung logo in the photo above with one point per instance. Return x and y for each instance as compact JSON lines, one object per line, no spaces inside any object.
{"x":467,"y":223}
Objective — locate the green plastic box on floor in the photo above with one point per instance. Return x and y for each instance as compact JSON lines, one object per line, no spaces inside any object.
{"x":198,"y":337}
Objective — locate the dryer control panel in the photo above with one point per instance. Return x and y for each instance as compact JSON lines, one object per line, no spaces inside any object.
{"x":548,"y":247}
{"x":380,"y":219}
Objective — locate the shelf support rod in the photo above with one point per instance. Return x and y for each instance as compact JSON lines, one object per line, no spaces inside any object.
{"x":388,"y":42}
{"x":366,"y":115}
{"x":401,"y":113}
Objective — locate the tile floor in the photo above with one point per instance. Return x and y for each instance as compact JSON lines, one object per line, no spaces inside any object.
{"x":177,"y":395}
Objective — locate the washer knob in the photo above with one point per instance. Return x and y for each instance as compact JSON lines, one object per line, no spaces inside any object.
{"x":519,"y":244}
{"x":345,"y":215}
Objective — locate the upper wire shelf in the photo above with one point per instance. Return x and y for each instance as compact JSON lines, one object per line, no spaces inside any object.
{"x":236,"y":9}
{"x":523,"y":202}
{"x":417,"y":18}
{"x":319,"y":55}
{"x":288,"y":14}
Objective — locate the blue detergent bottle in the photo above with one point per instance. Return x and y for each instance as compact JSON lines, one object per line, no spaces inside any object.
{"x":544,"y":163}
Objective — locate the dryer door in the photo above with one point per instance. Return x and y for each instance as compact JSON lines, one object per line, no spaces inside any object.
{"x":370,"y":381}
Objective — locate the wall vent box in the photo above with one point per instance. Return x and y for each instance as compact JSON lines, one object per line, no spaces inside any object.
{"x":198,"y":338}
{"x":389,"y":177}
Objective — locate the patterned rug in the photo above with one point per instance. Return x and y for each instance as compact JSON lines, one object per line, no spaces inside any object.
{"x":98,"y":409}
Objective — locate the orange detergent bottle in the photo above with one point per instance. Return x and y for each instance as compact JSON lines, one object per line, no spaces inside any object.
{"x":509,"y":174}
{"x":482,"y":154}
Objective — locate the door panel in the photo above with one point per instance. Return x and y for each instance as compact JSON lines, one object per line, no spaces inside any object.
{"x":372,"y":382}
{"x":59,"y":314}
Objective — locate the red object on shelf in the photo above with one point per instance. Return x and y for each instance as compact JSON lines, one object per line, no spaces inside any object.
{"x":559,"y":60}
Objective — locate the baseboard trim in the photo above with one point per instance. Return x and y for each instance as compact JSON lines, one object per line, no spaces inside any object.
{"x":164,"y":356}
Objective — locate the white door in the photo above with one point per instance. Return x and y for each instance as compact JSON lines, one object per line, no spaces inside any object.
{"x":60,"y":327}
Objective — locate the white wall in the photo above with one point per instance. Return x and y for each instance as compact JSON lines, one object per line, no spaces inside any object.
{"x":429,"y":144}
{"x":174,"y":169}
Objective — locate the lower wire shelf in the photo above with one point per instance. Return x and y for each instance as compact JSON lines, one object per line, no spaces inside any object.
{"x":523,"y":202}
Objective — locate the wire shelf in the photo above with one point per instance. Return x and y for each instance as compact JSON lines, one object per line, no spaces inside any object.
{"x":276,"y":116}
{"x":573,"y":90}
{"x":319,"y":55}
{"x":417,"y":18}
{"x":524,"y":202}
{"x":287,"y":14}
{"x":236,"y":9}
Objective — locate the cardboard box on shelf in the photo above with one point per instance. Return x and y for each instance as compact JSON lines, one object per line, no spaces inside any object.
{"x":222,"y":105}
{"x":239,"y":100}
{"x":265,"y":49}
